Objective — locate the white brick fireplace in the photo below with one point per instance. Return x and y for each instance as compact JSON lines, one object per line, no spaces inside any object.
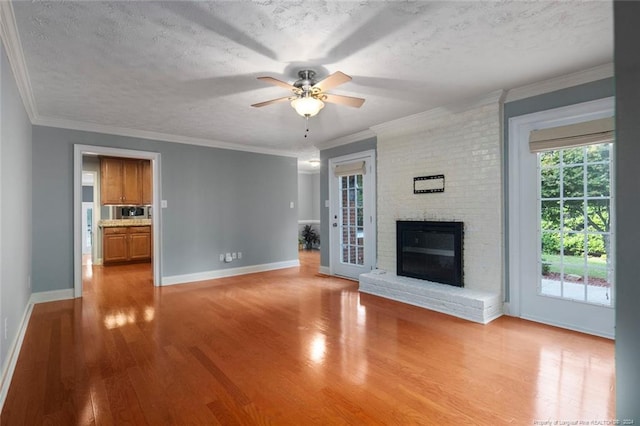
{"x":465,"y":146}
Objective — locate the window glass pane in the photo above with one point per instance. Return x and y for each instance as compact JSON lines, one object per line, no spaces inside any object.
{"x":352,"y":181}
{"x":573,"y":155}
{"x":573,"y":181}
{"x":597,"y":248}
{"x":550,"y":158}
{"x":573,"y":215}
{"x":575,"y":230}
{"x":551,"y":245}
{"x":573,"y":244}
{"x":598,"y":212}
{"x":600,"y":152}
{"x":598,"y":180}
{"x":550,"y":183}
{"x":550,"y":215}
{"x":599,"y":294}
{"x":359,"y":181}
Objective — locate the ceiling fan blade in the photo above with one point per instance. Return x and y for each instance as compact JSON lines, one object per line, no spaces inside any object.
{"x":277,"y":82}
{"x":335,"y":79}
{"x":272,"y":101}
{"x":343,"y":100}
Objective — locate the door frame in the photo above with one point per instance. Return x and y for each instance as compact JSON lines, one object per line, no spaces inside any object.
{"x":96,"y":216}
{"x":519,"y":130}
{"x":370,"y":245}
{"x":78,"y":151}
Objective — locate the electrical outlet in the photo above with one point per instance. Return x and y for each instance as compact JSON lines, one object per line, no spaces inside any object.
{"x":234,"y":255}
{"x":228,"y":258}
{"x":221,"y":257}
{"x":239,"y":255}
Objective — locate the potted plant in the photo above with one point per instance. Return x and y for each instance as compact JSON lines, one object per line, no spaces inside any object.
{"x":310,"y":236}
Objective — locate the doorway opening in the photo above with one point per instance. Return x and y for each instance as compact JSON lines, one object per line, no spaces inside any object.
{"x":91,"y":218}
{"x":352,"y":197}
{"x":561,"y":217}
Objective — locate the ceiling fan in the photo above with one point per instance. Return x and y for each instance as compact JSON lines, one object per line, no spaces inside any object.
{"x":309,"y":95}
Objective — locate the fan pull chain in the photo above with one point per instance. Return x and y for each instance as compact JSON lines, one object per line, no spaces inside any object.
{"x":306,"y":132}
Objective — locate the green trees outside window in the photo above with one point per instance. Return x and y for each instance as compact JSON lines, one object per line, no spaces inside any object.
{"x":575,"y":214}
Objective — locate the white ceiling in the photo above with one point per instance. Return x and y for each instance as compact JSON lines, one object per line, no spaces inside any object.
{"x":189,"y":69}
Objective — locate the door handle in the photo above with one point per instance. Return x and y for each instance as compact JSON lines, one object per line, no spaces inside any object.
{"x":335,"y":225}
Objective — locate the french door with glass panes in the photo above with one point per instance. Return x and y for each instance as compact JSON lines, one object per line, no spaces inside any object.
{"x":561,"y":221}
{"x":352,"y":215}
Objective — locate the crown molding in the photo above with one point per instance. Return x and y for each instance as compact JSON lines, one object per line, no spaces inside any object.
{"x":599,"y":72}
{"x":344,"y":140}
{"x":13,"y":47}
{"x":309,"y":172}
{"x":145,"y":134}
{"x":423,"y":119}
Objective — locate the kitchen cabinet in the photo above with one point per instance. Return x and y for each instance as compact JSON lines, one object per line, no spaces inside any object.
{"x":126,"y":244}
{"x":125,"y":181}
{"x":147,"y":182}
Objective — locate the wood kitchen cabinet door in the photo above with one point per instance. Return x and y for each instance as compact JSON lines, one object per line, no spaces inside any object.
{"x":140,"y":243}
{"x":126,"y":244}
{"x":131,"y":182}
{"x":120,"y":181}
{"x":147,"y":182}
{"x":111,"y":170}
{"x":115,"y":245}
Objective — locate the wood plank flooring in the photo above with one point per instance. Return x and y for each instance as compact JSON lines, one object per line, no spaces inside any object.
{"x":291,"y":347}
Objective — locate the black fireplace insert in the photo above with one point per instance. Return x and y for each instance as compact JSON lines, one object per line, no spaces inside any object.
{"x":430,"y":251}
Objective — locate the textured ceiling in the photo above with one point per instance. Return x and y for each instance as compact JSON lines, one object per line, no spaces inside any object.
{"x":190,"y":68}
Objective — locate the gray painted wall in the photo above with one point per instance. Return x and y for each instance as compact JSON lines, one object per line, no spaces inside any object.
{"x":15,"y":207}
{"x":570,"y":96}
{"x":627,"y":66}
{"x":309,"y":196}
{"x":325,"y":155}
{"x":218,"y":201}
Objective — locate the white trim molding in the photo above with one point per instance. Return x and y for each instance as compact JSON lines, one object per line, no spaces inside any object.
{"x":13,"y":47}
{"x":10,"y":362}
{"x":325,"y":270}
{"x":51,"y":296}
{"x":147,"y":134}
{"x":562,"y":82}
{"x":9,"y":366}
{"x":309,"y":222}
{"x":344,"y":140}
{"x":230,"y":272}
{"x":426,"y":118}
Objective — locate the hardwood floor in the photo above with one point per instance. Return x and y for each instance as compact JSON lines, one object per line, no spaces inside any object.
{"x":292,"y":347}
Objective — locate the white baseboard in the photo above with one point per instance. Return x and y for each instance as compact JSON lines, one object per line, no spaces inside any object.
{"x":569,"y":326}
{"x":325,"y":270}
{"x":506,"y":309}
{"x":14,"y":350}
{"x":231,"y":272}
{"x":12,"y":355}
{"x":51,"y":296}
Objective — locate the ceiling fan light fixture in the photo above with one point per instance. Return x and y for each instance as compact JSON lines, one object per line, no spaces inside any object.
{"x":307,"y":106}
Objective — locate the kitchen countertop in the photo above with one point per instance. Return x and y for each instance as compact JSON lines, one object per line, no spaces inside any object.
{"x":110,"y":223}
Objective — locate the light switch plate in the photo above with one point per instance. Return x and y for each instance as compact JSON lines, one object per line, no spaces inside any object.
{"x":163,"y":204}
